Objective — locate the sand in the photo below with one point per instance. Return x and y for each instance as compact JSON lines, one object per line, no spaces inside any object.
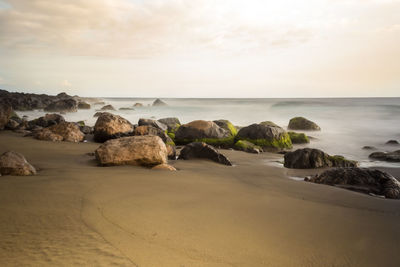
{"x":205,"y":214}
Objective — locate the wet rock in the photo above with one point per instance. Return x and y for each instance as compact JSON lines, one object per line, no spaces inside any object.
{"x":63,"y":105}
{"x":203,"y":151}
{"x":109,"y":126}
{"x":46,"y":121}
{"x":13,"y":163}
{"x":301,"y":123}
{"x":386,"y":156}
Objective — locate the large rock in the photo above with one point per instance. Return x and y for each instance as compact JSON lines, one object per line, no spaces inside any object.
{"x":153,"y":123}
{"x":227,"y":125}
{"x":172,"y":124}
{"x":22,"y":101}
{"x":204,"y":131}
{"x":13,"y":163}
{"x":5,"y":113}
{"x":159,"y":102}
{"x":108,"y":107}
{"x":246,"y":146}
{"x":109,"y":126}
{"x":309,"y":158}
{"x":392,"y":142}
{"x":150,"y":130}
{"x":362,"y":180}
{"x":299,"y":138}
{"x":63,"y":105}
{"x":133,"y":150}
{"x":266,"y":135}
{"x":386,"y":156}
{"x":46,"y":121}
{"x":83,"y":105}
{"x":301,"y":123}
{"x":68,"y":131}
{"x":203,"y":151}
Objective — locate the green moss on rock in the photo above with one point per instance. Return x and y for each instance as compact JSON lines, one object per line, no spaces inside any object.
{"x":298,"y":138}
{"x":222,"y":142}
{"x":283,"y":142}
{"x":247,"y":146}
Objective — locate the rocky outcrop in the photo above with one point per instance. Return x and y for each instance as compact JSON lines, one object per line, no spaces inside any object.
{"x":246,"y":146}
{"x":267,"y":135}
{"x":46,"y":121}
{"x":308,"y":158}
{"x":164,"y":167}
{"x":361,"y":180}
{"x":203,"y":151}
{"x":5,"y":113}
{"x":298,"y":138}
{"x":22,"y":101}
{"x":109,"y":126}
{"x":159,"y":102}
{"x":301,"y":123}
{"x":63,"y":105}
{"x":108,"y":107}
{"x":13,"y":163}
{"x":386,"y":156}
{"x":172,"y":124}
{"x":134,"y":150}
{"x":83,"y":105}
{"x":64,"y":131}
{"x":153,"y":123}
{"x":204,"y":131}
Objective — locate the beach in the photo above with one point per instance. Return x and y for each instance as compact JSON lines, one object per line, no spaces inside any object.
{"x":74,"y":212}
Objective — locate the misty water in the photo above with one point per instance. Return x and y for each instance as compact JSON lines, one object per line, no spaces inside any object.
{"x":347,"y":124}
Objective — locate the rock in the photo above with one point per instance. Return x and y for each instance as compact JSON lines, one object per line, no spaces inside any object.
{"x":132,"y":150}
{"x":369,"y":148}
{"x":150,"y":130}
{"x":203,"y":131}
{"x":63,"y":95}
{"x":13,"y":163}
{"x":267,"y":135}
{"x":46,"y":121}
{"x":386,"y":156}
{"x":172,"y":124}
{"x":86,"y":129}
{"x":361,"y":180}
{"x":227,"y":125}
{"x":63,"y":105}
{"x":204,"y":151}
{"x":12,"y":125}
{"x":68,"y":131}
{"x":99,"y":103}
{"x":138,"y":105}
{"x":109,"y":126}
{"x":247,"y":146}
{"x":98,"y":114}
{"x":5,"y":113}
{"x":122,"y":109}
{"x":22,"y":101}
{"x":154,"y":123}
{"x":308,"y":158}
{"x":164,"y":167}
{"x":83,"y":105}
{"x":298,"y":138}
{"x":392,"y":142}
{"x":108,"y":107}
{"x":159,"y":102}
{"x":171,"y":151}
{"x":300,"y":123}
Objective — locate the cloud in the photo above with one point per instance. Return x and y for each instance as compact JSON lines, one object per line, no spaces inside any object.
{"x":122,"y":28}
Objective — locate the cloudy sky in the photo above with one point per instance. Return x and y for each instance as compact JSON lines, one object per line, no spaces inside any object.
{"x":201,"y":48}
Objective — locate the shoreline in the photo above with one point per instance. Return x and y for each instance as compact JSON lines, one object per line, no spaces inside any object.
{"x":205,"y":214}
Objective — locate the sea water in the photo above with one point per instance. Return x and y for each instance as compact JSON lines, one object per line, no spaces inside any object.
{"x":347,"y":124}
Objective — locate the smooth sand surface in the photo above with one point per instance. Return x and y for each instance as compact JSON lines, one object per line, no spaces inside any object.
{"x":76,"y":213}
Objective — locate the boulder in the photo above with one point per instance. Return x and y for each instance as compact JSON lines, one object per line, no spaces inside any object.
{"x":309,"y":158}
{"x":133,"y":150}
{"x":98,"y":114}
{"x":363,"y":180}
{"x":171,"y":149}
{"x":164,"y":167}
{"x":159,"y":102}
{"x":13,"y":163}
{"x":203,"y":151}
{"x":203,"y":131}
{"x":12,"y":125}
{"x":150,"y":130}
{"x":301,"y":123}
{"x":386,"y":156}
{"x":138,"y":105}
{"x":298,"y":138}
{"x":368,"y":147}
{"x":246,"y":146}
{"x":172,"y":124}
{"x":392,"y":142}
{"x":154,"y":123}
{"x":83,"y":105}
{"x":267,"y":135}
{"x":63,"y":105}
{"x":68,"y":131}
{"x":109,"y":126}
{"x":227,"y":125}
{"x":5,"y":113}
{"x":46,"y":121}
{"x":108,"y":107}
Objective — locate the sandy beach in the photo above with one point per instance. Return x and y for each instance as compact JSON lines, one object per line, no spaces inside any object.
{"x":76,"y":213}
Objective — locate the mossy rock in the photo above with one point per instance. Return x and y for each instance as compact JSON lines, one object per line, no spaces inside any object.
{"x":81,"y":123}
{"x":340,"y":161}
{"x":227,"y":125}
{"x":172,"y":123}
{"x":298,"y":138}
{"x":247,"y":146}
{"x":301,"y":123}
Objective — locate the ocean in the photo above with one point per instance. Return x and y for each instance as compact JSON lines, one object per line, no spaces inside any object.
{"x":347,"y":124}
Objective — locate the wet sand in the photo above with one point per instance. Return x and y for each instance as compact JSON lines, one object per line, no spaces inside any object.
{"x":205,"y":214}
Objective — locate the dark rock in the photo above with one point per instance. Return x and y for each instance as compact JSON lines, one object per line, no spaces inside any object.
{"x":138,"y":105}
{"x":46,"y":121}
{"x":386,"y":156}
{"x":83,"y":105}
{"x":13,"y":163}
{"x":5,"y":113}
{"x":108,"y":107}
{"x":86,"y":129}
{"x":308,"y":158}
{"x":63,"y":105}
{"x":392,"y":142}
{"x":361,"y":180}
{"x":172,"y":123}
{"x":12,"y":125}
{"x":204,"y":151}
{"x":154,"y":123}
{"x":301,"y":123}
{"x":110,"y":126}
{"x":369,"y":148}
{"x":159,"y":102}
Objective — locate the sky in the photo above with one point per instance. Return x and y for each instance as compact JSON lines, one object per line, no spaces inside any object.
{"x":201,"y":48}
